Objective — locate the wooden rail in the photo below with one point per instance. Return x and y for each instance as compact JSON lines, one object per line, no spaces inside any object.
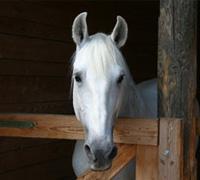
{"x":152,"y":162}
{"x":126,"y":153}
{"x":144,"y":131}
{"x":127,"y":130}
{"x":137,"y":131}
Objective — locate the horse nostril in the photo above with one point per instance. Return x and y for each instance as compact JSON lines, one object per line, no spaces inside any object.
{"x":113,"y":153}
{"x":89,"y":152}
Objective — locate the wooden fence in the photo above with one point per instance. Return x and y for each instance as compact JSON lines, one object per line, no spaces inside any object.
{"x":157,"y":144}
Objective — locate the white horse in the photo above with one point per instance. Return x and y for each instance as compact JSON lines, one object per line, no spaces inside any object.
{"x":103,"y":89}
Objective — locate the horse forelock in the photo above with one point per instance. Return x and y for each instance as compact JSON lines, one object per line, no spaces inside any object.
{"x":100,"y":54}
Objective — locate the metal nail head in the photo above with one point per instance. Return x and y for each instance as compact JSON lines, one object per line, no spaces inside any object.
{"x":167,"y":153}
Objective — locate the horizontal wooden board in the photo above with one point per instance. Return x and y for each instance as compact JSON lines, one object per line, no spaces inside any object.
{"x":136,"y":131}
{"x":34,"y":155}
{"x":151,"y":9}
{"x":131,"y":131}
{"x":8,"y":144}
{"x":141,"y":49}
{"x":20,"y":27}
{"x":49,"y":51}
{"x":138,"y":64}
{"x":61,"y":13}
{"x":51,"y":170}
{"x":33,"y":89}
{"x":125,"y":154}
{"x":57,"y":107}
{"x":33,"y":12}
{"x":34,"y":26}
{"x":14,"y":67}
{"x":24,"y":48}
{"x":38,"y":89}
{"x":140,"y":67}
{"x":18,"y":47}
{"x":130,"y":10}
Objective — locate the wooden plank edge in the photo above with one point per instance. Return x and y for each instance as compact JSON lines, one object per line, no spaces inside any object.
{"x":128,"y":130}
{"x":146,"y":162}
{"x":170,"y":155}
{"x":125,"y":154}
{"x":198,"y":124}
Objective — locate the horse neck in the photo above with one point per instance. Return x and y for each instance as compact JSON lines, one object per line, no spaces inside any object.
{"x":133,"y":104}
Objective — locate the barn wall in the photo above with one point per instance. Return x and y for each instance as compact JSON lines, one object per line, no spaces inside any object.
{"x":36,"y":48}
{"x":35,"y":52}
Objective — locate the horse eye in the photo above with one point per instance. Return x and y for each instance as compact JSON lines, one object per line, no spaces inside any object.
{"x":78,"y":78}
{"x":120,"y":79}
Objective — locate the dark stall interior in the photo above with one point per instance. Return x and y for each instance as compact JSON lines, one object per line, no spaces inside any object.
{"x":35,"y":54}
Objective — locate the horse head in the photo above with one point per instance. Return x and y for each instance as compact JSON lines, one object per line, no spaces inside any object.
{"x":99,"y":81}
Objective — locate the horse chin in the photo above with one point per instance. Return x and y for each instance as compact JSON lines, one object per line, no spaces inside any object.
{"x":102,"y":167}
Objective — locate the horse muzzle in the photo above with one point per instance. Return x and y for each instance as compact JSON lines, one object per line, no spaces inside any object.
{"x":100,"y":156}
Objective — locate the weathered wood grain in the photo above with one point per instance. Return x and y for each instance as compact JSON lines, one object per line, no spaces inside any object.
{"x":144,"y":131}
{"x":53,"y":107}
{"x":146,"y":162}
{"x":125,"y":154}
{"x":13,"y":67}
{"x":33,"y":12}
{"x":8,"y":144}
{"x":17,"y":67}
{"x":61,"y":13}
{"x":171,"y":149}
{"x":33,"y":89}
{"x":23,"y":157}
{"x":141,"y":131}
{"x":22,"y":27}
{"x":37,"y":32}
{"x":18,"y":47}
{"x":198,"y":127}
{"x":131,"y":10}
{"x":56,"y":169}
{"x":177,"y":71}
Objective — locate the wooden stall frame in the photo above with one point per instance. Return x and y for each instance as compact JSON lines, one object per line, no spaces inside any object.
{"x":155,"y":160}
{"x":127,"y":130}
{"x":177,"y":69}
{"x":157,"y":144}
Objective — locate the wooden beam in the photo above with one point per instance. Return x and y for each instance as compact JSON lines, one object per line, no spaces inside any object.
{"x":125,"y":154}
{"x":177,"y":59}
{"x":198,"y":126}
{"x":136,"y":131}
{"x":171,"y":149}
{"x":127,"y":130}
{"x":146,"y":162}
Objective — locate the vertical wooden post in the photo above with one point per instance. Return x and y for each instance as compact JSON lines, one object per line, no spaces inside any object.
{"x":171,"y":149}
{"x":146,"y":162}
{"x":177,"y":56}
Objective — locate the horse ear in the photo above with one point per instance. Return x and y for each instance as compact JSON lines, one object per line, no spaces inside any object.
{"x":120,"y":32}
{"x":79,"y":28}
